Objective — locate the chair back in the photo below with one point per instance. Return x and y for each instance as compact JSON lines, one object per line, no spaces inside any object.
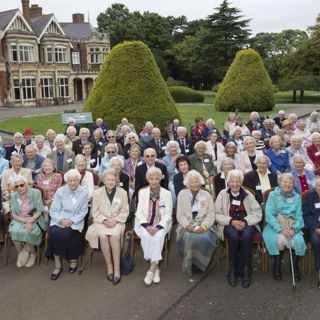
{"x":303,"y":195}
{"x":265,"y":195}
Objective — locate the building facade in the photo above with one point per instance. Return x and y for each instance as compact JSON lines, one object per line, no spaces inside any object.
{"x":45,"y":62}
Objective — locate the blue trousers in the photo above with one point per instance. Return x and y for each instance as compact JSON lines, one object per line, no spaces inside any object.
{"x":240,"y":246}
{"x":315,"y":240}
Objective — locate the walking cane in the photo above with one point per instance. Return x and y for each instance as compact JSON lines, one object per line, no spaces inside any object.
{"x":291,"y":258}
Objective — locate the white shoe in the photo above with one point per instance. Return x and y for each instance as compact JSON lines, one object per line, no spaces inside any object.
{"x":23,"y":257}
{"x":19,"y":264}
{"x":156,"y":276}
{"x":148,"y":278}
{"x":31,"y":261}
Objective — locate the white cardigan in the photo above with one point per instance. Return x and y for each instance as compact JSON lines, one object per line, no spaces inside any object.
{"x":165,"y":208}
{"x":88,"y":184}
{"x":245,"y":161}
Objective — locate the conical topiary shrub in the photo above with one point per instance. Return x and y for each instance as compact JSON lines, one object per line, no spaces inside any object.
{"x":130,"y":85}
{"x":246,"y":86}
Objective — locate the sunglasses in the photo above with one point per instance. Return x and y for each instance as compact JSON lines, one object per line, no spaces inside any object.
{"x":130,"y":138}
{"x":150,"y":156}
{"x":111,"y":152}
{"x":110,"y":137}
{"x":19,"y":186}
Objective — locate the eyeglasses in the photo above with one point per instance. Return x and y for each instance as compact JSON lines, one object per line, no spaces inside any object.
{"x":110,"y":137}
{"x":19,"y":185}
{"x":150,"y":156}
{"x":130,"y":138}
{"x":111,"y":152}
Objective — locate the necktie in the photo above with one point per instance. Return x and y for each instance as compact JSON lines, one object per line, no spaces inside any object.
{"x":183,"y":149}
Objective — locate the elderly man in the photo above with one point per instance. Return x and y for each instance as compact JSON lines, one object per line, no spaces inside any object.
{"x":296,"y":148}
{"x":42,"y":148}
{"x":157,"y":143}
{"x":77,"y":146}
{"x":99,"y":124}
{"x":279,"y":118}
{"x":62,"y":158}
{"x":185,"y":144}
{"x":32,"y":160}
{"x":141,"y":170}
{"x":124,"y":121}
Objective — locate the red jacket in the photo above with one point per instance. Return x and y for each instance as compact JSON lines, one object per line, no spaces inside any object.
{"x":314,"y":155}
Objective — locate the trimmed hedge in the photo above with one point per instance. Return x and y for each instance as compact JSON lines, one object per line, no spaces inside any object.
{"x":185,"y":94}
{"x":174,"y":83}
{"x":130,"y":85}
{"x":246,"y":86}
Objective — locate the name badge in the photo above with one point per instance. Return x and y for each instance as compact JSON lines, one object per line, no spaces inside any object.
{"x":317,"y":205}
{"x":121,"y":184}
{"x":206,"y":160}
{"x":74,"y":200}
{"x":93,"y":161}
{"x":290,"y":200}
{"x":69,"y":160}
{"x":100,"y":143}
{"x":317,"y":153}
{"x":139,"y":163}
{"x":258,"y":187}
{"x":163,"y":148}
{"x":187,"y":150}
{"x":45,"y":182}
{"x":19,"y":202}
{"x":236,"y":202}
{"x":38,"y":171}
{"x":162,"y":176}
{"x":283,"y":151}
{"x":116,"y":200}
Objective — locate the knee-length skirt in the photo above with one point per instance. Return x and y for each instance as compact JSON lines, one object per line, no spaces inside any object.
{"x":18,"y":232}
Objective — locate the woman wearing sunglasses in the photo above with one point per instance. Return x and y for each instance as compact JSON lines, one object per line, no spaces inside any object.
{"x":111,"y":150}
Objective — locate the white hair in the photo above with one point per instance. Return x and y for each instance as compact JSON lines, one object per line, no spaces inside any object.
{"x":297,"y":157}
{"x":19,"y":178}
{"x":232,"y":131}
{"x":227,"y":160}
{"x":84,"y":130}
{"x":72,"y":173}
{"x":112,"y":145}
{"x":295,"y":137}
{"x":16,"y":155}
{"x":153,"y":171}
{"x":181,"y":128}
{"x":210,"y":121}
{"x":79,"y":158}
{"x":114,"y":160}
{"x":129,"y":135}
{"x":39,"y":138}
{"x":72,"y":120}
{"x":256,"y":133}
{"x":286,"y":175}
{"x":172,"y":143}
{"x":236,"y":173}
{"x":30,"y":147}
{"x":59,"y":137}
{"x":18,"y":135}
{"x":263,"y":156}
{"x":315,"y":135}
{"x":254,"y":113}
{"x":193,"y":174}
{"x":111,"y":172}
{"x":200,"y":143}
{"x":248,"y":138}
{"x":71,"y":128}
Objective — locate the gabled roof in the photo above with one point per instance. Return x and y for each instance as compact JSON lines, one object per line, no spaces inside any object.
{"x":39,"y":24}
{"x":78,"y":31}
{"x":6,"y":17}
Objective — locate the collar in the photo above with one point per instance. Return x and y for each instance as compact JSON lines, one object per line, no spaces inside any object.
{"x":267,"y":173}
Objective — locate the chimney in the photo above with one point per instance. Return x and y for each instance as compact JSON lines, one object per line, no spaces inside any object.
{"x":78,"y":18}
{"x":25,"y":9}
{"x":35,"y":11}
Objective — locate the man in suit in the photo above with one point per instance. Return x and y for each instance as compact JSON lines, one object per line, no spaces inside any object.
{"x":32,"y":160}
{"x":62,"y":158}
{"x":185,"y":144}
{"x":157,"y":143}
{"x":141,"y":170}
{"x":77,"y":146}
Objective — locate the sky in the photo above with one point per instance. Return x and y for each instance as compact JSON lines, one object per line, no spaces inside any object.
{"x":267,"y":15}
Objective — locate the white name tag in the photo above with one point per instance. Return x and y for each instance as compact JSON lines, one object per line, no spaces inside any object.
{"x":317,"y":153}
{"x":46,"y":182}
{"x":116,"y":200}
{"x":19,"y":202}
{"x":139,"y":163}
{"x":121,"y":184}
{"x":74,"y":200}
{"x":317,"y":205}
{"x":290,"y":200}
{"x":236,"y":202}
{"x":206,"y":160}
{"x":187,"y":150}
{"x":93,"y":161}
{"x":100,"y":143}
{"x":283,"y":151}
{"x":162,"y":176}
{"x":258,"y":187}
{"x":69,"y":160}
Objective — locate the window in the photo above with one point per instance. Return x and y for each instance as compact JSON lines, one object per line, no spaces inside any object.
{"x":95,"y":56}
{"x":46,"y":87}
{"x":75,"y":58}
{"x":16,"y":89}
{"x":49,"y":55}
{"x":29,"y":88}
{"x":60,"y":55}
{"x":14,"y":53}
{"x":26,"y":53}
{"x":63,"y":87}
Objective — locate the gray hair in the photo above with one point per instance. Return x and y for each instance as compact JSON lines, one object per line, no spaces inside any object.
{"x":39,"y":137}
{"x":172,"y":143}
{"x":59,"y":137}
{"x":210,"y":121}
{"x":200,"y":143}
{"x":193,"y":174}
{"x":181,"y":128}
{"x":110,"y":131}
{"x":18,"y":135}
{"x":71,"y":128}
{"x":236,"y":173}
{"x":227,"y":160}
{"x":295,"y":137}
{"x":315,"y":135}
{"x":262,"y":157}
{"x":19,"y":178}
{"x":248,"y":138}
{"x":72,"y":173}
{"x":129,"y":135}
{"x":111,"y":172}
{"x":255,"y":133}
{"x":315,"y":181}
{"x":79,"y":158}
{"x":114,"y":160}
{"x":297,"y":157}
{"x":254,"y":113}
{"x":30,"y":147}
{"x":84,"y":130}
{"x":232,"y":131}
{"x":286,"y":175}
{"x":72,"y":119}
{"x":153,"y":171}
{"x":16,"y":155}
{"x":112,"y":145}
{"x":98,"y":130}
{"x":47,"y":160}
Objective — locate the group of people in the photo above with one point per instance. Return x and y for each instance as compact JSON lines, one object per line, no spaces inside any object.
{"x":209,"y":185}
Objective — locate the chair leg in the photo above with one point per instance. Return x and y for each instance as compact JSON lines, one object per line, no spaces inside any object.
{"x":132,"y":246}
{"x":166,"y":253}
{"x":86,"y":261}
{"x":218,"y":254}
{"x":227,"y":256}
{"x":309,"y":258}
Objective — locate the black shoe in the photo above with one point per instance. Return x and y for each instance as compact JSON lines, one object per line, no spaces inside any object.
{"x":110,"y":276}
{"x":246,"y":278}
{"x":116,"y":280}
{"x":277,"y":266}
{"x":73,"y":269}
{"x":232,"y":279}
{"x":56,"y":275}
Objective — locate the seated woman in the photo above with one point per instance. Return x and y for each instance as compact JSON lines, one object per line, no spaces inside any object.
{"x":236,"y":138}
{"x":86,"y":180}
{"x":27,"y":222}
{"x":111,"y":150}
{"x":313,"y":150}
{"x":214,"y":148}
{"x":50,"y":136}
{"x":98,"y":140}
{"x":183,"y":166}
{"x":196,"y":235}
{"x":303,"y":177}
{"x":279,"y":158}
{"x":131,"y":139}
{"x":210,"y":128}
{"x":92,"y":159}
{"x":229,"y":124}
{"x":71,"y":136}
{"x":249,"y":155}
{"x":285,"y":133}
{"x":67,"y":212}
{"x":311,"y":215}
{"x":296,"y":148}
{"x":220,"y":180}
{"x":197,"y":128}
{"x":48,"y":181}
{"x":153,"y":220}
{"x":122,"y":178}
{"x":256,"y":135}
{"x":254,"y":122}
{"x":110,"y":210}
{"x":111,"y":138}
{"x":230,"y":151}
{"x":284,"y":223}
{"x":261,"y":179}
{"x":237,"y":215}
{"x":302,"y":131}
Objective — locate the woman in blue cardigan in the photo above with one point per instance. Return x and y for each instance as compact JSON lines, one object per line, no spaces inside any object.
{"x":303,"y":177}
{"x":283,"y":200}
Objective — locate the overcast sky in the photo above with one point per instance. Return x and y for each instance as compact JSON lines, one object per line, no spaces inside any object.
{"x":267,"y":15}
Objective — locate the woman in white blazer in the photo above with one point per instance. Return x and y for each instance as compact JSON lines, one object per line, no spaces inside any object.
{"x":214,"y":148}
{"x":249,"y":155}
{"x":153,"y":220}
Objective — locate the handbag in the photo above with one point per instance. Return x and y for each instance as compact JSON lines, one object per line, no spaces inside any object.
{"x":127,"y":263}
{"x":285,"y":222}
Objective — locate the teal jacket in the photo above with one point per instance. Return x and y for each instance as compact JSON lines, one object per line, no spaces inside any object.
{"x":197,"y":164}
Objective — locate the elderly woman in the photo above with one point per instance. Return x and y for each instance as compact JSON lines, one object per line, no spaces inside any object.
{"x":284,"y":225}
{"x":172,"y":152}
{"x":48,"y":181}
{"x":254,"y":122}
{"x":237,"y":215}
{"x":27,"y":222}
{"x":197,"y":128}
{"x":240,"y":123}
{"x":249,"y":155}
{"x":230,"y":151}
{"x":266,"y":131}
{"x":220,"y":180}
{"x":183,"y":166}
{"x":131,"y":139}
{"x":98,"y":139}
{"x":86,"y":180}
{"x":285,"y":133}
{"x":111,"y":150}
{"x":111,"y":138}
{"x":17,"y":147}
{"x":121,"y":138}
{"x":71,"y":136}
{"x":314,"y":150}
{"x":67,"y":212}
{"x":92,"y":158}
{"x":203,"y":163}
{"x":279,"y":158}
{"x":256,"y":135}
{"x":302,"y":131}
{"x":236,"y":138}
{"x":296,"y":148}
{"x":210,"y":128}
{"x":261,"y":179}
{"x":153,"y":220}
{"x":8,"y":179}
{"x":231,"y":122}
{"x":311,"y":214}
{"x":214,"y":148}
{"x":303,"y":177}
{"x":42,"y":149}
{"x":110,"y":210}
{"x":293,"y":119}
{"x":50,"y":136}
{"x":195,"y":232}
{"x":313,"y":120}
{"x":122,"y":178}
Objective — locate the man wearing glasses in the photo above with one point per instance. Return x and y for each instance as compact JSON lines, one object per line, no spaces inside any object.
{"x":150,"y":157}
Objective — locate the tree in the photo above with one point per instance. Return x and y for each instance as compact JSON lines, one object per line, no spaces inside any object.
{"x":130,"y":85}
{"x":246,"y":86}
